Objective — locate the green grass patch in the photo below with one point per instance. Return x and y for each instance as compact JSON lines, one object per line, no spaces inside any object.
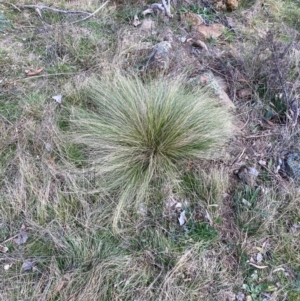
{"x":75,"y":155}
{"x":138,"y":133}
{"x":248,"y":214}
{"x":4,"y":22}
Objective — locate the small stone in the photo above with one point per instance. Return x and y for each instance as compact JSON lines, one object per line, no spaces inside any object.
{"x":292,"y":165}
{"x":240,"y":297}
{"x":182,"y":218}
{"x":253,"y":172}
{"x":136,"y":21}
{"x":212,"y":31}
{"x":159,"y":59}
{"x":48,"y":147}
{"x":148,"y":25}
{"x":142,"y":210}
{"x":262,"y":162}
{"x":3,"y":249}
{"x":247,"y":174}
{"x":231,"y":22}
{"x":231,"y":4}
{"x":27,"y":265}
{"x":244,"y":93}
{"x":259,"y":258}
{"x":57,"y":98}
{"x":245,"y":202}
{"x":208,"y":78}
{"x":200,"y":44}
{"x":21,"y":238}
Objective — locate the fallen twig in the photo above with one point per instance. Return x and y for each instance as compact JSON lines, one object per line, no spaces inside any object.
{"x":92,"y":14}
{"x":159,"y":7}
{"x":5,"y":119}
{"x":9,"y":239}
{"x":166,"y":5}
{"x":238,"y":157}
{"x":13,"y":5}
{"x":258,"y":266}
{"x":40,"y":8}
{"x":43,"y":7}
{"x":260,"y":136}
{"x":39,"y":76}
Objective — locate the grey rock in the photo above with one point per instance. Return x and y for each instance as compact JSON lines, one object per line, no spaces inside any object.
{"x":240,"y":297}
{"x":27,"y":265}
{"x":292,"y":165}
{"x":208,"y":79}
{"x":159,"y":58}
{"x":247,"y":174}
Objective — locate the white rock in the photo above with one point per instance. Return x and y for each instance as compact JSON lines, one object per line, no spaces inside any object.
{"x":181,"y":219}
{"x":262,"y":162}
{"x":253,"y":172}
{"x":178,"y":205}
{"x":57,"y":98}
{"x":245,"y":202}
{"x":259,"y":258}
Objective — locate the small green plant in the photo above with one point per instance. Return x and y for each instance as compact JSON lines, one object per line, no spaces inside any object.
{"x":276,"y":108}
{"x":294,"y":296}
{"x":248,"y":214}
{"x":201,"y":232}
{"x":254,"y":288}
{"x":75,"y":155}
{"x":140,"y":134}
{"x":229,"y":35}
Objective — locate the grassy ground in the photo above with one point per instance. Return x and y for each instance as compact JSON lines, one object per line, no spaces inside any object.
{"x":57,"y":235}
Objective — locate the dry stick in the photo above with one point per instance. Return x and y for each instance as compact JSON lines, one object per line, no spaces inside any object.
{"x":39,"y":76}
{"x":166,"y":5}
{"x":9,"y":239}
{"x":245,"y":124}
{"x":14,"y":6}
{"x":42,"y":7}
{"x":5,"y":119}
{"x":92,"y":14}
{"x":238,"y":157}
{"x":259,"y":136}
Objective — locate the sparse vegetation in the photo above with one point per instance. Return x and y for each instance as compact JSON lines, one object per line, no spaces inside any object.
{"x":135,"y":187}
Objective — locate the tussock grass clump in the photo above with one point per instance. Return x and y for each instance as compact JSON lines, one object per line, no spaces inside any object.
{"x":138,"y":135}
